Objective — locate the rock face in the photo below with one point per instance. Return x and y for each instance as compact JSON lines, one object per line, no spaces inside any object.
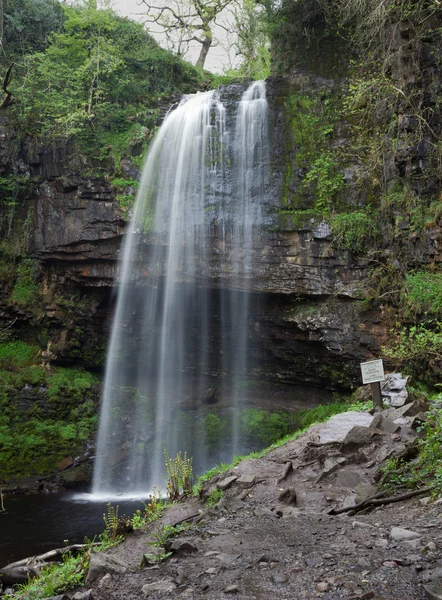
{"x":310,"y":325}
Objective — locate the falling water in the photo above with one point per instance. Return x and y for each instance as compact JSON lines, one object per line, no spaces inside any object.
{"x":163,"y":349}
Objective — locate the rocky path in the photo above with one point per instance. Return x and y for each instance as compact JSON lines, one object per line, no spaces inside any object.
{"x":271,"y":536}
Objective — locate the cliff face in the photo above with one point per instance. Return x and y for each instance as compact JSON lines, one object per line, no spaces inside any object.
{"x":317,"y":324}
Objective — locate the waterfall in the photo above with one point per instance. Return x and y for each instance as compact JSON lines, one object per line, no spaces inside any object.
{"x":165,"y":356}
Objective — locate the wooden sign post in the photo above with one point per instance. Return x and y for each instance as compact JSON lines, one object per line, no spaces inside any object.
{"x":373,"y":373}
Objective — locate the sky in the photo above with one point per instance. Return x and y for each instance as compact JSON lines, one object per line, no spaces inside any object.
{"x":217,"y":59}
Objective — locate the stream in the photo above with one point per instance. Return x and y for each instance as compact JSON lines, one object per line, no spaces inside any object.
{"x":33,"y":524}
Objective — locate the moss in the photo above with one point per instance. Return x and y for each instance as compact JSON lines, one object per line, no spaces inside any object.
{"x":312,"y":178}
{"x":53,"y":418}
{"x":295,"y":220}
{"x":26,"y":291}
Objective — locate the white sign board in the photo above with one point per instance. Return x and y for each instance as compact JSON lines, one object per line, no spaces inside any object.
{"x":372,"y":371}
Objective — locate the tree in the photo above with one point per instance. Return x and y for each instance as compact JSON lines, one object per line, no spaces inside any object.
{"x":97,"y":73}
{"x":25,"y":25}
{"x":252,"y":42}
{"x":188,"y":20}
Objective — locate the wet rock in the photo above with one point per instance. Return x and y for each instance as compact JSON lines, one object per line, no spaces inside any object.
{"x":101,"y":563}
{"x":336,"y":428}
{"x":166,"y":585}
{"x":398,"y":534}
{"x":65,"y":463}
{"x":226,"y":483}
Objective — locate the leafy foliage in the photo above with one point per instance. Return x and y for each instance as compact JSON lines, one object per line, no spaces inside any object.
{"x":416,"y":348}
{"x":55,"y":578}
{"x":423,"y":293}
{"x":28,"y":24}
{"x":426,"y":468}
{"x":94,"y":80}
{"x":353,"y":231}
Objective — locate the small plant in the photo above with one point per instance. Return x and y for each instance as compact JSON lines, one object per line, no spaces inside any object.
{"x":180,"y":475}
{"x":116,"y":527}
{"x":55,"y":578}
{"x":167,"y":531}
{"x":156,"y":557}
{"x":152,"y":511}
{"x":353,"y":231}
{"x":214,"y":497}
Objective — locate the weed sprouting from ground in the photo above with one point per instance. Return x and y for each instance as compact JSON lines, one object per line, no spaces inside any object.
{"x":180,"y":475}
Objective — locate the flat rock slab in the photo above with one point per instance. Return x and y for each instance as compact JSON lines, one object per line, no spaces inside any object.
{"x":336,"y":429}
{"x":226,"y":483}
{"x":348,"y":479}
{"x":167,"y":585}
{"x":398,"y":534}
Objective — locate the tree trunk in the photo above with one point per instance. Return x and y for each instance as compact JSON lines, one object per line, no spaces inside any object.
{"x":204,"y":51}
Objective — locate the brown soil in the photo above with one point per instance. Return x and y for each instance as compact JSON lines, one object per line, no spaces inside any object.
{"x":255,"y":546}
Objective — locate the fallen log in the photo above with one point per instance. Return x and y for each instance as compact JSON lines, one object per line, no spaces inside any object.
{"x":27,"y":568}
{"x":377,"y":501}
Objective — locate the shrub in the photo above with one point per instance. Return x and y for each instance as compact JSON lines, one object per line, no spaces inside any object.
{"x":353,"y":231}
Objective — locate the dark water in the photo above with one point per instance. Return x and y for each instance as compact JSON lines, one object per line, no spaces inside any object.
{"x":38,"y":523}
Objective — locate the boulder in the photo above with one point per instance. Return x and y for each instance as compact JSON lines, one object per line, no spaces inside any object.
{"x":336,"y":428}
{"x":394,"y":389}
{"x":384,"y":424}
{"x":358,"y":436}
{"x":101,"y":563}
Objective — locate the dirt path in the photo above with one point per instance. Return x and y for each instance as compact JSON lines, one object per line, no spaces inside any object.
{"x":259,"y":543}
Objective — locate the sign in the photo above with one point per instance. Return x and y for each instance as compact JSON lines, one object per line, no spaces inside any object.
{"x":372,"y":371}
